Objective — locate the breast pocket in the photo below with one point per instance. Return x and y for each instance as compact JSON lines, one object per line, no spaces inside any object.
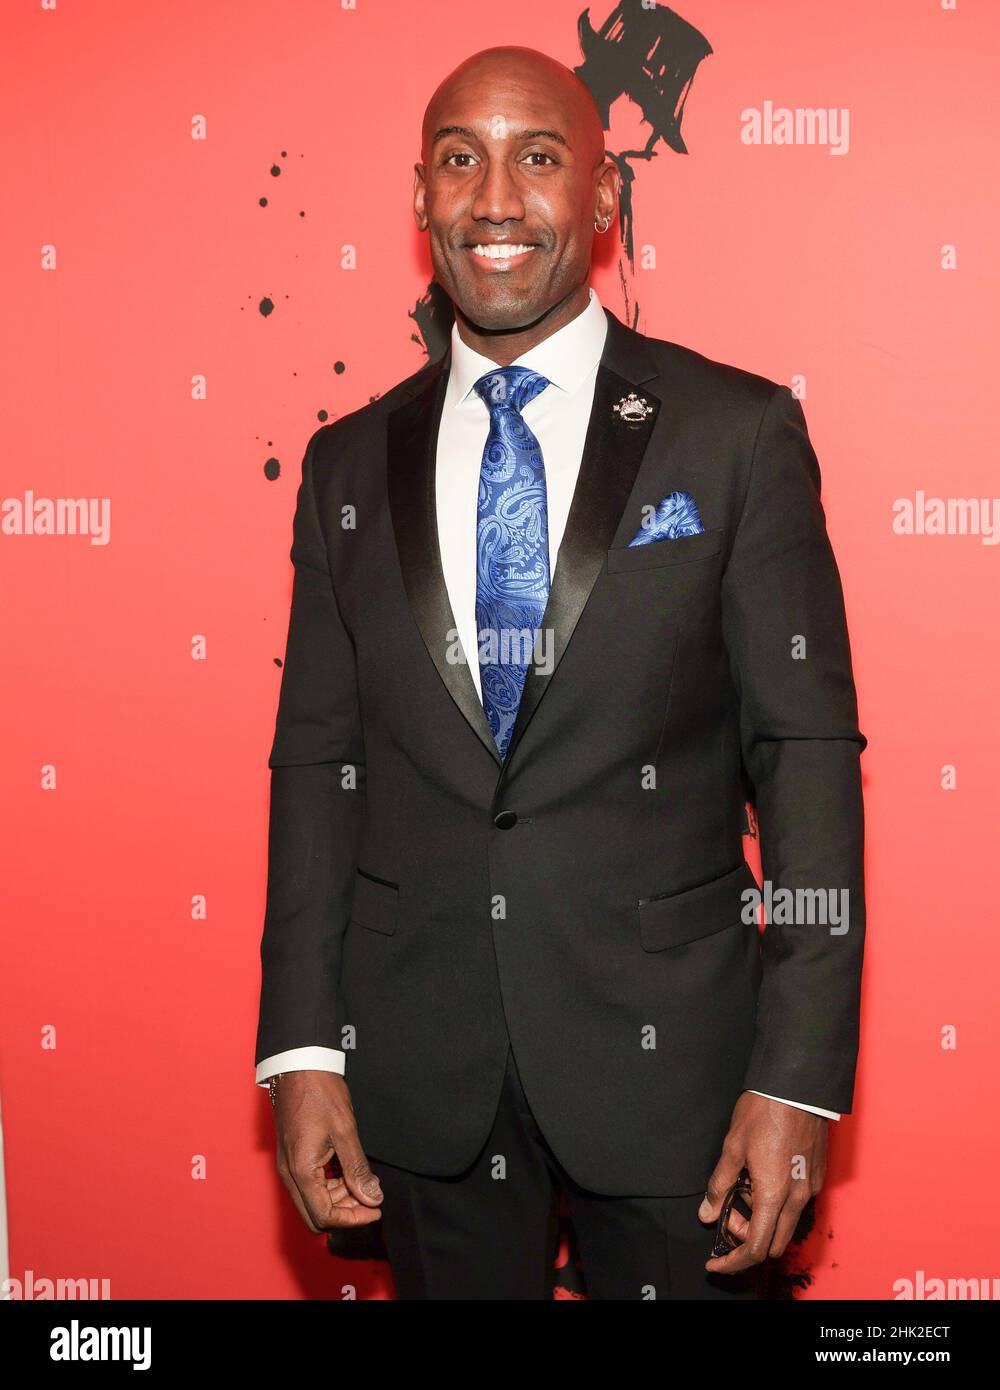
{"x":674,"y":919}
{"x":682,"y":550}
{"x":375,"y":904}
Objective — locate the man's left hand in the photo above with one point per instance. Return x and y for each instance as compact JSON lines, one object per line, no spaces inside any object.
{"x":784,"y":1150}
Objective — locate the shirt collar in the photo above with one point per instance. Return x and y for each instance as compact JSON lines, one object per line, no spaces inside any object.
{"x":566,"y":357}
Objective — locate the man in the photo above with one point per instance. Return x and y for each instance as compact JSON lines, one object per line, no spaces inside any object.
{"x":507,"y":947}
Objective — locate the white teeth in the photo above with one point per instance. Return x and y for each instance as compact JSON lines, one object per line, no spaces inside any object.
{"x":500,"y":251}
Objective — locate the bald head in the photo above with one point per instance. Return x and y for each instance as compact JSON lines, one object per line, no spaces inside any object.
{"x":500,"y":73}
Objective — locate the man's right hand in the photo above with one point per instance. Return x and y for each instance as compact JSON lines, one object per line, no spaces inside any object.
{"x":314,"y":1123}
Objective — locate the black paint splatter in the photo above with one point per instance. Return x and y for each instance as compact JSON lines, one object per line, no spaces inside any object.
{"x":433,"y":315}
{"x":651,"y":56}
{"x":338,"y":367}
{"x":266,"y":307}
{"x":783,"y":1278}
{"x":272,"y":470}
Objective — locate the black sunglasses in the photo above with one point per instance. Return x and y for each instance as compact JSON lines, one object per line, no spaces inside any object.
{"x":725,"y":1240}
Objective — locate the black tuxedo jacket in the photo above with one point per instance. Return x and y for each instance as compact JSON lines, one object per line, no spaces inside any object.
{"x":426,"y":903}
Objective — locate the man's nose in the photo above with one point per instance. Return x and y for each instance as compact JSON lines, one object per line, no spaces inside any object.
{"x":497,"y":198}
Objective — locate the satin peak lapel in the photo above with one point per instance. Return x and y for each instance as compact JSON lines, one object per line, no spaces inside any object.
{"x":612,"y":454}
{"x":411,"y":466}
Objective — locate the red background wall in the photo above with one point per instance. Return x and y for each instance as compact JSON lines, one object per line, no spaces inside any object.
{"x":786,"y":260}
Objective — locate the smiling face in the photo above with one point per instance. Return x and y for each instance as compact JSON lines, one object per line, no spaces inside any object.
{"x":513,"y":174}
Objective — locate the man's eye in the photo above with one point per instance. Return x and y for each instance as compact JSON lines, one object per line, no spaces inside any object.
{"x":459,"y":154}
{"x":540,"y":154}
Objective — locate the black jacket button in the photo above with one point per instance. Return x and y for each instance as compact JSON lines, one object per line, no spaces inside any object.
{"x":505,"y":820}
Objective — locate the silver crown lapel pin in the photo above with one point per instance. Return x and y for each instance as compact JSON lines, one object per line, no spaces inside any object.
{"x":632,"y":409}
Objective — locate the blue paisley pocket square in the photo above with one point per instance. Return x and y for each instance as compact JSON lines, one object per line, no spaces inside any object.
{"x":675,"y":516}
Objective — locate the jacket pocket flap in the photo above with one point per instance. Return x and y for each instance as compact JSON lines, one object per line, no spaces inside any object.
{"x":665,"y":552}
{"x":677,"y":918}
{"x":375,"y":904}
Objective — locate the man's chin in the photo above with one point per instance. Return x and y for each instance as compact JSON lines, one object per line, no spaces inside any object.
{"x":505,"y":310}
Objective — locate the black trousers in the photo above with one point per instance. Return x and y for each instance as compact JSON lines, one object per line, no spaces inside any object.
{"x":491,"y":1232}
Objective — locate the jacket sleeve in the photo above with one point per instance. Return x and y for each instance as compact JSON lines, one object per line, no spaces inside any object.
{"x":317,"y":800}
{"x":786,"y":634}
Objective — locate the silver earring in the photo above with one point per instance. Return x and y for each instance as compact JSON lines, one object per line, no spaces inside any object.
{"x":607,"y":224}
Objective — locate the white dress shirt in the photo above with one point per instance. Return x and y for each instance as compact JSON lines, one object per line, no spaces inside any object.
{"x":558,"y":417}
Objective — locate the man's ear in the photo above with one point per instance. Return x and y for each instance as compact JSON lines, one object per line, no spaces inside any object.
{"x":420,"y":196}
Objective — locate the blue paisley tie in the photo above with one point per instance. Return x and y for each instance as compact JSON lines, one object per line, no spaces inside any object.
{"x":512,"y":545}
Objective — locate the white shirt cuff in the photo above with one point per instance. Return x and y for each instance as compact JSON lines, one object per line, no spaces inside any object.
{"x":814,"y":1109}
{"x":300,"y":1059}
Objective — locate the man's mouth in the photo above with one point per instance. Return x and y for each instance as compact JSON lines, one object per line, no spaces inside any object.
{"x":500,"y":255}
